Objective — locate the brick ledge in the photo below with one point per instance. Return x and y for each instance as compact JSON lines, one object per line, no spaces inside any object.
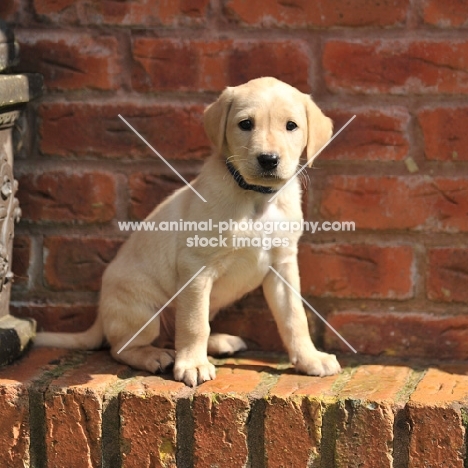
{"x":85,"y":410}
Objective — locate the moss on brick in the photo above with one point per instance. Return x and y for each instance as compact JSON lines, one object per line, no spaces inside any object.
{"x":166,"y":451}
{"x":410,"y":386}
{"x":343,"y":379}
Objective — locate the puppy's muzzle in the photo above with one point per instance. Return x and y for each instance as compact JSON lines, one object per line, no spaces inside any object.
{"x":268,"y":161}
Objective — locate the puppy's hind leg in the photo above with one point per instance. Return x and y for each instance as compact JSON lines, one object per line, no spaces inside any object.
{"x":222,"y":344}
{"x":145,"y":357}
{"x":139,"y":353}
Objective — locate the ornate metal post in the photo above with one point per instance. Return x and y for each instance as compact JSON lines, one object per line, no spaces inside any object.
{"x":15,"y":92}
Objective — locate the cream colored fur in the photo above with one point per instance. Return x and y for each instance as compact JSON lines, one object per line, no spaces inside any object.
{"x":152,"y":266}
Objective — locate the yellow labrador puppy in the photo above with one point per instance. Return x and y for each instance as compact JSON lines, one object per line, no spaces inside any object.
{"x":260,"y":130}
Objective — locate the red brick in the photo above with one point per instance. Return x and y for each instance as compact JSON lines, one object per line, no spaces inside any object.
{"x":356,"y":271}
{"x":374,"y":135}
{"x":148,"y":422}
{"x":447,"y":274}
{"x":74,"y":411}
{"x":292,"y":386}
{"x":447,"y":384}
{"x":144,"y":13}
{"x":65,"y":197}
{"x":301,"y":14}
{"x":366,"y":412}
{"x":77,"y":264}
{"x":9,"y":9}
{"x":68,"y":318}
{"x":450,"y":13}
{"x":71,"y":129}
{"x":444,"y":130}
{"x":221,"y":410}
{"x":21,"y":259}
{"x":289,"y":425}
{"x":157,"y":64}
{"x":47,"y":7}
{"x":70,"y":60}
{"x":211,"y":66}
{"x":30,"y":367}
{"x":183,"y":11}
{"x":149,"y":190}
{"x":397,"y":66}
{"x":293,"y":420}
{"x":259,"y":362}
{"x":400,"y":334}
{"x":414,"y":202}
{"x":252,"y":60}
{"x":15,"y":381}
{"x":437,"y":433}
{"x":377,"y":383}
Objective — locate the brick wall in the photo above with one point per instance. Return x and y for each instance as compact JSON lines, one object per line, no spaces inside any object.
{"x":257,"y":413}
{"x":398,"y":285}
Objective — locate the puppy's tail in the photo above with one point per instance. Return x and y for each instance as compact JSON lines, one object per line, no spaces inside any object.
{"x":90,"y":339}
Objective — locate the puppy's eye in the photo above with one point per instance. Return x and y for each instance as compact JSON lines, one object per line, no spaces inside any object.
{"x":246,"y":125}
{"x":290,"y":126}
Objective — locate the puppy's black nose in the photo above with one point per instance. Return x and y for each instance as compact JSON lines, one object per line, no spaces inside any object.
{"x":268,"y":161}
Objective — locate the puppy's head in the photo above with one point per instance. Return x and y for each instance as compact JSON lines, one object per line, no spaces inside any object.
{"x":263,"y":127}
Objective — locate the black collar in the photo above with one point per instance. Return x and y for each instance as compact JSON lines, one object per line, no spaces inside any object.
{"x":244,"y":185}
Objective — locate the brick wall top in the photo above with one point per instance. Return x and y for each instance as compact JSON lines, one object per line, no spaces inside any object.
{"x":256,"y":412}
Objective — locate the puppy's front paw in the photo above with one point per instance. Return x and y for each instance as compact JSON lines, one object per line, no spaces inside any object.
{"x":318,"y":363}
{"x":193,"y":372}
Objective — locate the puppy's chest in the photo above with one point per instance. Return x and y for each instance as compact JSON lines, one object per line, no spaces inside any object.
{"x":253,"y":245}
{"x":240,"y":273}
{"x":265,"y":222}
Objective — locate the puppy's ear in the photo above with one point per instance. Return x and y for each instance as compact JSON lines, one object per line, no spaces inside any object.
{"x":215,"y":118}
{"x":320,"y":129}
